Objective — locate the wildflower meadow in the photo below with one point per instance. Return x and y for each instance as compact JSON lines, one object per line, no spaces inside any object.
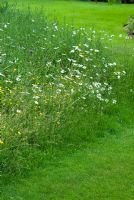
{"x":62,"y":88}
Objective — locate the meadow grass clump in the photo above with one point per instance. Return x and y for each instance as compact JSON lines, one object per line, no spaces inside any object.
{"x":59,"y":86}
{"x":3,"y":6}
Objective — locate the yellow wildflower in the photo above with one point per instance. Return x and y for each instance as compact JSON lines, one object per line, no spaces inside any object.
{"x":1,"y":142}
{"x":1,"y":90}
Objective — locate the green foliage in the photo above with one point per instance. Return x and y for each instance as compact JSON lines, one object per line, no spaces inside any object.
{"x":114,"y":1}
{"x":3,"y":6}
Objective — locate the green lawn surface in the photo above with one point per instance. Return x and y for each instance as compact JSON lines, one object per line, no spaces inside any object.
{"x":102,"y":171}
{"x":101,"y":16}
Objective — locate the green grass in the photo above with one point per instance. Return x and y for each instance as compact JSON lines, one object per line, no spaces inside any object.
{"x":101,"y":16}
{"x":51,"y":78}
{"x":103,"y":171}
{"x":52,"y":106}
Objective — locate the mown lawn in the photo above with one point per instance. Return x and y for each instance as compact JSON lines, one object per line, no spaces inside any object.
{"x":101,"y":16}
{"x":103,"y":171}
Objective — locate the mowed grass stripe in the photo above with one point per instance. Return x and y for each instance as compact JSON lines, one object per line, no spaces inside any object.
{"x":102,"y":171}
